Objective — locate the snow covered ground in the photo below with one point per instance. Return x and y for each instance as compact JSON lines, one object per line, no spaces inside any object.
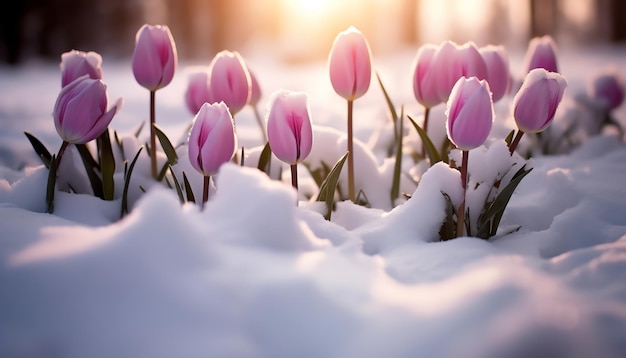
{"x":255,"y":276}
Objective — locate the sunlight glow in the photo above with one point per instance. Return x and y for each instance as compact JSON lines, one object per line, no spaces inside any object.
{"x":310,"y":8}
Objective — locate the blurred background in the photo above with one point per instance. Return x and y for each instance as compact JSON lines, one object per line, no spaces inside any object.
{"x":297,"y":30}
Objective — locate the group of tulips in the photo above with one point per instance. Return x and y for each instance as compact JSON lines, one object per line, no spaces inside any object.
{"x":466,"y":78}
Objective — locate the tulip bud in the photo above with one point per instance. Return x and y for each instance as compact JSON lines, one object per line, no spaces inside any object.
{"x":80,"y":113}
{"x":198,"y":91}
{"x":470,"y":113}
{"x":212,"y":140}
{"x":255,"y":89}
{"x":541,"y":53}
{"x":453,"y":62}
{"x":155,"y":57}
{"x":229,"y":80}
{"x":536,"y":101}
{"x":350,"y":64}
{"x":608,"y":89}
{"x":498,"y":76}
{"x":424,"y":84}
{"x":75,"y":64}
{"x":289,"y":126}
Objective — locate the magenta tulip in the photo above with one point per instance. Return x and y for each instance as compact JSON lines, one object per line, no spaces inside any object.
{"x":541,"y":53}
{"x":608,"y":89}
{"x":498,"y":75}
{"x":230,"y":80}
{"x":470,"y":113}
{"x":80,"y":112}
{"x":536,"y":101}
{"x":453,"y":62}
{"x":75,"y":64}
{"x":212,"y":140}
{"x":289,"y":126}
{"x":424,"y":80}
{"x":155,"y":57}
{"x":350,"y":64}
{"x":198,"y":92}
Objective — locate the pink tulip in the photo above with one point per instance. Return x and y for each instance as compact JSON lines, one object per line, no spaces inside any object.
{"x":350,"y":64}
{"x":155,"y":57}
{"x":608,"y":89}
{"x":80,"y":112}
{"x":424,"y":84}
{"x":470,"y":113}
{"x":75,"y":64}
{"x":498,"y":76}
{"x":289,"y":126}
{"x":230,"y":80}
{"x":212,"y":140}
{"x":198,"y":91}
{"x":255,"y":89}
{"x":541,"y":53}
{"x":453,"y":62}
{"x":536,"y":101}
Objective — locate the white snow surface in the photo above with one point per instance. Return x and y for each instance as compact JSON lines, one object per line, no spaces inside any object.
{"x":254,"y":275}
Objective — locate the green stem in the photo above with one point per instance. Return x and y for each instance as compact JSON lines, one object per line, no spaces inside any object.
{"x":153,"y":158}
{"x":426,"y":115}
{"x":205,"y":191}
{"x":294,"y":179}
{"x":52,"y":178}
{"x":515,"y":141}
{"x":64,"y":146}
{"x":351,"y":191}
{"x":460,"y":217}
{"x":259,"y":120}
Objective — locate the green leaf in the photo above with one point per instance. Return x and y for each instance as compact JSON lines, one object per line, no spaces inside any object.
{"x":329,"y":185}
{"x":397,"y":168}
{"x":265,"y":159}
{"x":188,"y":190}
{"x":107,"y":166}
{"x":138,"y":130}
{"x":490,"y":219}
{"x":433,"y":155}
{"x":40,"y":149}
{"x":509,"y":138}
{"x":52,"y":179}
{"x":168,"y":148}
{"x":91,"y":165}
{"x":127,"y":183}
{"x":447,"y":231}
{"x":179,"y":190}
{"x":392,"y":109}
{"x":120,"y":144}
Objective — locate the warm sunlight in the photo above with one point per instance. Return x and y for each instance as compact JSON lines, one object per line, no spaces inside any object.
{"x":309,"y":8}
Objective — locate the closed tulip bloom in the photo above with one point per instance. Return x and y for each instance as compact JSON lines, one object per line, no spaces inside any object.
{"x":255,"y":89}
{"x":541,"y":53}
{"x":230,"y":80}
{"x":498,"y":75}
{"x":453,"y":62}
{"x":608,"y":89}
{"x":198,"y":91}
{"x":350,"y":64}
{"x":470,"y":113}
{"x":212,"y":140}
{"x":155,"y":58}
{"x":75,"y":64}
{"x":536,"y":101}
{"x":424,"y":80}
{"x":289,"y":126}
{"x":80,"y":112}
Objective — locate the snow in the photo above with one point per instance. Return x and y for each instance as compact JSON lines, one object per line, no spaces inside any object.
{"x":254,"y":275}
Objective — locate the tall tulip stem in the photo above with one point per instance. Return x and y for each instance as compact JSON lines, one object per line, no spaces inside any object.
{"x":351,"y":191}
{"x":60,"y":154}
{"x":259,"y":120}
{"x":294,"y":177}
{"x":153,"y":158}
{"x":205,"y":191}
{"x":516,"y":141}
{"x":460,"y":217}
{"x":426,"y":115}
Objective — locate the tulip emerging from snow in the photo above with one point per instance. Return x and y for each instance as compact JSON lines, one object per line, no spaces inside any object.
{"x":541,"y":53}
{"x":230,"y":81}
{"x":154,"y":63}
{"x":197,"y":92}
{"x":607,"y":89}
{"x":212,"y":141}
{"x":498,"y":76}
{"x":289,"y":129}
{"x":470,"y":116}
{"x":75,"y":64}
{"x":453,"y":62}
{"x":536,"y":102}
{"x":350,"y":66}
